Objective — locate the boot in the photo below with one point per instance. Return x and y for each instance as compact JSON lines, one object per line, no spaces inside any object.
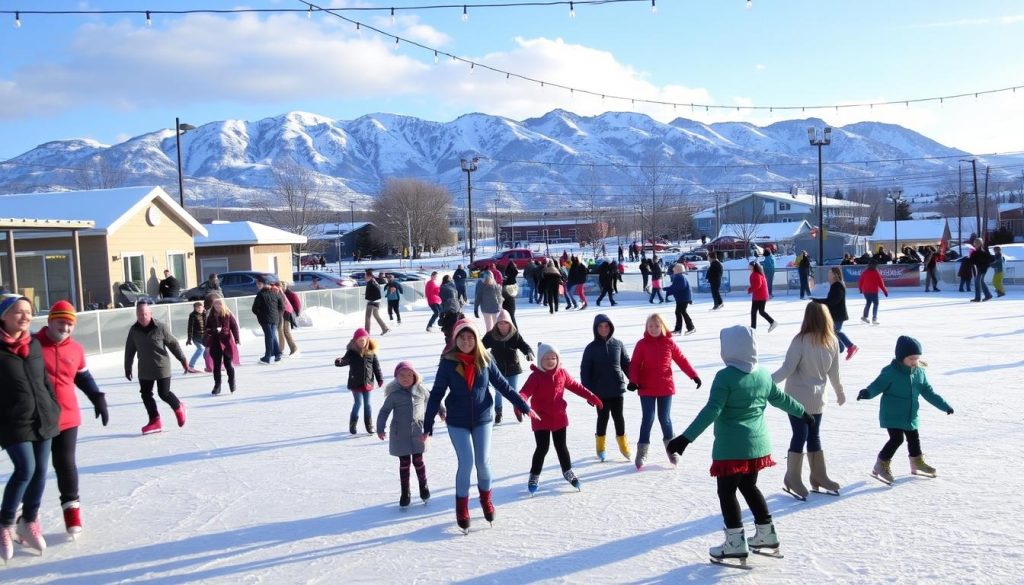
{"x":231,"y":385}
{"x":764,"y":537}
{"x":487,"y":505}
{"x":883,"y":471}
{"x":72,"y":517}
{"x":462,"y":512}
{"x":624,"y":446}
{"x":152,"y":427}
{"x":216,"y":389}
{"x":30,"y":534}
{"x":570,"y":476}
{"x":672,"y":457}
{"x":641,"y":455}
{"x":424,"y":492}
{"x":793,"y":483}
{"x":734,"y":547}
{"x":533,"y":483}
{"x":497,"y":416}
{"x":352,"y":422}
{"x":405,"y":498}
{"x":179,"y":413}
{"x":919,"y":467}
{"x":599,"y":441}
{"x":819,"y":476}
{"x":6,"y":543}
{"x":369,"y":425}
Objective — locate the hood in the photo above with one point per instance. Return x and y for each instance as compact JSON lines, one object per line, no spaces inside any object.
{"x":739,"y":347}
{"x":394,"y":386}
{"x":542,"y":350}
{"x":602,"y":318}
{"x":503,"y":317}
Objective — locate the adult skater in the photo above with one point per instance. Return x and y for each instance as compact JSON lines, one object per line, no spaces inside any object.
{"x":836,"y":303}
{"x":577,"y":282}
{"x":931,"y":279}
{"x":714,"y":276}
{"x":980,"y":259}
{"x":869,"y":284}
{"x":769,"y":270}
{"x":803,"y":268}
{"x":606,"y":277}
{"x":268,"y":307}
{"x":680,"y":291}
{"x":432,"y":292}
{"x":758,"y":291}
{"x":372,"y":294}
{"x":221,"y":336}
{"x":451,"y":307}
{"x":151,"y":340}
{"x":459,"y":278}
{"x":487,"y":299}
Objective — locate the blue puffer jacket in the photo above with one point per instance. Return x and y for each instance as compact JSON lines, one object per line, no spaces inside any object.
{"x":467,"y":407}
{"x":680,"y":289}
{"x":605,"y":364}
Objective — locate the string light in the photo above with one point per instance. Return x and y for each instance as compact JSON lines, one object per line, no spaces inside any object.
{"x":392,"y":17}
{"x":17,"y":20}
{"x":750,"y":4}
{"x":435,"y":57}
{"x":309,"y":13}
{"x":149,"y":19}
{"x":572,"y":11}
{"x":654,"y":7}
{"x":465,"y":13}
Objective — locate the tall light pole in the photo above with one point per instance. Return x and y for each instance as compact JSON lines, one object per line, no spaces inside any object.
{"x":825,"y":140}
{"x":180,"y":129}
{"x":469,"y":167}
{"x":895,"y":224}
{"x":977,"y":205}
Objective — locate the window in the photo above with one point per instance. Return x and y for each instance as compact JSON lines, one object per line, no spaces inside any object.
{"x":210,"y":266}
{"x":176,"y":264}
{"x":134,"y":269}
{"x":784,"y":206}
{"x":44,"y":277}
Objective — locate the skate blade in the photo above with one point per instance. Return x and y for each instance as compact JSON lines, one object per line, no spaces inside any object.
{"x":731,"y":563}
{"x":794,"y":494}
{"x":923,"y":474}
{"x":881,"y":479}
{"x":767,"y":552}
{"x":825,"y":492}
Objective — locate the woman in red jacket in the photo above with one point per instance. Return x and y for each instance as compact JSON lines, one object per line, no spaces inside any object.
{"x":432,"y":290}
{"x":650,"y":373}
{"x":758,"y":290}
{"x":869,"y":284}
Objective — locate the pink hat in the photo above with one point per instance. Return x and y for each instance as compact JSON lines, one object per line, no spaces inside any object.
{"x":407,"y":365}
{"x":360,"y":333}
{"x":464,"y":324}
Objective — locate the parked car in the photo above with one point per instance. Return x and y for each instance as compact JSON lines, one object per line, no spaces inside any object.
{"x":303,"y":280}
{"x":358,"y":277}
{"x":687,"y":261}
{"x":237,"y":283}
{"x":733,"y":246}
{"x":519,"y":256}
{"x":309,"y":260}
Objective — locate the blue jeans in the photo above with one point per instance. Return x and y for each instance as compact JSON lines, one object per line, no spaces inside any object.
{"x":198,"y":353}
{"x":436,"y":308}
{"x":513,"y":381}
{"x":364,"y":398}
{"x":980,"y":288}
{"x":664,"y":408}
{"x":270,"y":341}
{"x":844,"y":341}
{"x":27,"y":481}
{"x":472,"y":446}
{"x":805,"y":433}
{"x":769,"y":276}
{"x":872,"y":300}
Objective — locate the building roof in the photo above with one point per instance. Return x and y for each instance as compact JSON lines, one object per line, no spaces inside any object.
{"x":47,"y":224}
{"x":329,"y":231}
{"x":800,"y":198}
{"x":108,"y":208}
{"x":245,"y":233}
{"x":926,"y":215}
{"x":932,"y":230}
{"x":766,"y":232}
{"x":535,"y":223}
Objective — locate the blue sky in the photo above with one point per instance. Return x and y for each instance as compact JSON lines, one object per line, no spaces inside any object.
{"x":111,"y":77}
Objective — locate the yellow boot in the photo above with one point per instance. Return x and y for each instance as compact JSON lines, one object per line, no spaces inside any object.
{"x":599,"y":439}
{"x":624,"y":446}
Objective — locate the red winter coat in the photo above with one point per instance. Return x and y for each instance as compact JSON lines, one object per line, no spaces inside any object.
{"x":545,"y":392}
{"x":650,"y":368}
{"x":64,"y":360}
{"x":432,"y":290}
{"x":758,"y":287}
{"x":870,"y":282}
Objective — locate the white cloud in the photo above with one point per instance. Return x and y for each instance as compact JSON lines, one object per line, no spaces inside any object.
{"x":965,"y":22}
{"x":760,"y":67}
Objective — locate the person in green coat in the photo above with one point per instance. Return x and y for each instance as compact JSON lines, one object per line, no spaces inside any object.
{"x":742,"y":448}
{"x":901,"y":383}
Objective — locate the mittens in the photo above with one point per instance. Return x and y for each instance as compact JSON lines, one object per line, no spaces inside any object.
{"x":99,"y":406}
{"x":864,"y":395}
{"x":948,"y":411}
{"x":596,"y":402}
{"x":632,"y":387}
{"x":697,"y":381}
{"x":677,"y":445}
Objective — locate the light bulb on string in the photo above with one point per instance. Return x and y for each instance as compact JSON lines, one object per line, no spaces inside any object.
{"x":309,"y":13}
{"x":17,"y":20}
{"x":465,"y":13}
{"x":392,"y":17}
{"x":750,"y":4}
{"x":435,"y":58}
{"x":149,"y":19}
{"x":572,"y":11}
{"x":654,"y":7}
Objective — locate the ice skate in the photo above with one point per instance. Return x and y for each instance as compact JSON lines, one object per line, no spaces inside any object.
{"x":533,"y":483}
{"x":405,"y":499}
{"x":919,"y":467}
{"x":820,"y":481}
{"x":773,"y":326}
{"x":792,"y":483}
{"x":72,"y":518}
{"x":599,"y":441}
{"x":734,"y":548}
{"x":6,"y":543}
{"x":30,"y":534}
{"x":179,"y":413}
{"x":487,"y":505}
{"x":764,"y":538}
{"x":352,"y":423}
{"x":153,"y":426}
{"x":865,"y":319}
{"x":672,"y":457}
{"x":624,"y":446}
{"x":883,"y":471}
{"x":462,"y":513}
{"x":570,"y":476}
{"x":641,"y":455}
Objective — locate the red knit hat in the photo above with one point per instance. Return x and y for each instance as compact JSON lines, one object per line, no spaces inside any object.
{"x":62,"y":310}
{"x":360,"y":333}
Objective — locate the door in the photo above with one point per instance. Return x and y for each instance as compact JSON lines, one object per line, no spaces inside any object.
{"x":176,"y":264}
{"x":135,"y":270}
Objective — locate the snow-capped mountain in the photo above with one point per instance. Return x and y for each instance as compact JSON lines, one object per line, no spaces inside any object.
{"x":539,"y":163}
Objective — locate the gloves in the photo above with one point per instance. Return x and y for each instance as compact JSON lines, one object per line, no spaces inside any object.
{"x":380,"y":436}
{"x":863,"y":395}
{"x":697,"y":381}
{"x":476,"y":314}
{"x":950,"y":411}
{"x":840,"y":398}
{"x":128,"y":374}
{"x":808,"y":418}
{"x":99,"y":406}
{"x":443,"y":413}
{"x":519,"y":414}
{"x":337,"y":362}
{"x":529,"y":357}
{"x":632,"y":387}
{"x":677,"y":445}
{"x":596,"y":402}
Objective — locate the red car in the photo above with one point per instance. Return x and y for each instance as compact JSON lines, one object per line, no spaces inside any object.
{"x":519,"y":256}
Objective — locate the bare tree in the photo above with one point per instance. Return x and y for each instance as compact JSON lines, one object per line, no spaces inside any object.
{"x":98,"y":174}
{"x":409,"y":210}
{"x":651,"y":196}
{"x":596,"y":216}
{"x":295,"y":203}
{"x":749,"y":221}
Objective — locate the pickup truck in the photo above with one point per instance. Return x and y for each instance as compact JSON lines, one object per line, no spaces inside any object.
{"x":519,"y":256}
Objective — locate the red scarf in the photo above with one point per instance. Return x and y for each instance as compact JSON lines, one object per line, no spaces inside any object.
{"x":19,"y":346}
{"x":468,"y":367}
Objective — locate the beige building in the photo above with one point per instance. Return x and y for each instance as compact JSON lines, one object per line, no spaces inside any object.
{"x":245,"y":245}
{"x":139,"y":232}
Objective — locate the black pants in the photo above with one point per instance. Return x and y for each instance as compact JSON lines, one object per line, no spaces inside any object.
{"x":543,"y":441}
{"x":758,"y":307}
{"x":805,"y":285}
{"x":163,"y":389}
{"x":62,"y":451}
{"x":613,"y":407}
{"x":551,"y":298}
{"x":393,"y":308}
{"x":896,"y":439}
{"x":218,"y":356}
{"x":965,"y":282}
{"x":931,"y":280}
{"x":646,"y":278}
{"x":716,"y":294}
{"x":606,"y":290}
{"x":682,"y":315}
{"x":746,"y":483}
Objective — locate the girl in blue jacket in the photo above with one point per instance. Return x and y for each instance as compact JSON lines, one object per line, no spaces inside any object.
{"x":604,"y":370}
{"x":680,"y":291}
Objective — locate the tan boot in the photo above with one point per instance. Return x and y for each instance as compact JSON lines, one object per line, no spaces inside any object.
{"x":882,"y":471}
{"x":793,"y":482}
{"x":624,"y":446}
{"x":919,"y":467}
{"x":819,"y":476}
{"x":599,"y":441}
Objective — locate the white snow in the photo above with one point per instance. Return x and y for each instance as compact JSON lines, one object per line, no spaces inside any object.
{"x":267,"y":486}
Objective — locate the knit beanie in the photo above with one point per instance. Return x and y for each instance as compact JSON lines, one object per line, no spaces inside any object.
{"x":360,"y":333}
{"x":907,"y":345}
{"x":62,"y":310}
{"x":463,"y":324}
{"x":407,"y":365}
{"x":7,"y":301}
{"x":545,"y":348}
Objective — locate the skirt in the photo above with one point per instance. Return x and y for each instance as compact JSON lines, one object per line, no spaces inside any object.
{"x":727,"y":467}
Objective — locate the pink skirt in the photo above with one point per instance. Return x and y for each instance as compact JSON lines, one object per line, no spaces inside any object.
{"x":729,"y":467}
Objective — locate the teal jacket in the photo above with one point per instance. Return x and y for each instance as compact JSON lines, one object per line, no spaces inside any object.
{"x":900,"y":387}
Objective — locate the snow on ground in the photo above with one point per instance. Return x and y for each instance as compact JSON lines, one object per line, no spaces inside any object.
{"x":267,"y":486}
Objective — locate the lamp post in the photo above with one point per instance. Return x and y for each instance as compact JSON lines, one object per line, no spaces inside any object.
{"x":179,"y":129}
{"x":825,"y":140}
{"x":977,"y":205}
{"x":895,"y":225}
{"x":469,"y":167}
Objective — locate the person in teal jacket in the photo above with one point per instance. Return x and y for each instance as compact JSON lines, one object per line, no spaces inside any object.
{"x":901,"y":383}
{"x":742,"y":448}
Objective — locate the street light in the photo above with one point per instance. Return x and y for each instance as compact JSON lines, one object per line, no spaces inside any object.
{"x":469,"y":167}
{"x":825,"y":140}
{"x":895,"y":224}
{"x":179,"y":129}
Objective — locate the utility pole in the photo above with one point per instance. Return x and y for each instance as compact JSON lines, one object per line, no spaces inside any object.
{"x":497,"y":228}
{"x":469,"y":167}
{"x":408,"y":228}
{"x":984,"y":229}
{"x":977,"y":203}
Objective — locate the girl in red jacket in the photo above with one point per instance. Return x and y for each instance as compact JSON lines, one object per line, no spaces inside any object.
{"x":545,"y":392}
{"x":650,"y":373}
{"x":870,"y":283}
{"x":758,"y":290}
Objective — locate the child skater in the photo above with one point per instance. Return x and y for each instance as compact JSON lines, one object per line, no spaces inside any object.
{"x":545,"y":390}
{"x":836,"y":303}
{"x":361,"y":358}
{"x":758,"y":291}
{"x":900,"y":383}
{"x":603,"y":369}
{"x":505,"y":344}
{"x":406,"y":397}
{"x":739,"y":395}
{"x":650,"y":374}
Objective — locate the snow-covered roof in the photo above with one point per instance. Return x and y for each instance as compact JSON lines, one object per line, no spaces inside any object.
{"x":333,"y":230}
{"x":931,"y":230}
{"x":967,"y":226}
{"x":800,"y":198}
{"x":1004,"y":207}
{"x":242,"y":233}
{"x":108,"y":208}
{"x":926,"y":215}
{"x":767,"y":232}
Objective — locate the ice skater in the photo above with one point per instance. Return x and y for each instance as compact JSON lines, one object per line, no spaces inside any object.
{"x":406,"y":398}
